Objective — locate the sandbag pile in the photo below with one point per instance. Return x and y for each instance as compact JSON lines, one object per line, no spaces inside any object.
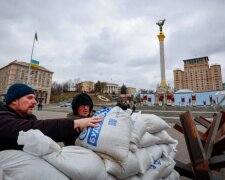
{"x":124,"y":146}
{"x":151,"y":150}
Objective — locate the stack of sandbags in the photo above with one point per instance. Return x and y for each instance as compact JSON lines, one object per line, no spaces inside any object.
{"x":151,"y":151}
{"x":123,"y":146}
{"x":73,"y":161}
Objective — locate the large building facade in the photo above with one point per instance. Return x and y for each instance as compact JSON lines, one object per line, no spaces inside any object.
{"x":111,"y":88}
{"x":17,"y":72}
{"x":198,"y":76}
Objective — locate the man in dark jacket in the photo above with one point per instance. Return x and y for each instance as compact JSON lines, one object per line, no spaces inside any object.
{"x":82,"y":106}
{"x":17,"y":115}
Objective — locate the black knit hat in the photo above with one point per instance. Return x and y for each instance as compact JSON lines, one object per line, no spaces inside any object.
{"x":17,"y":91}
{"x":81,"y":99}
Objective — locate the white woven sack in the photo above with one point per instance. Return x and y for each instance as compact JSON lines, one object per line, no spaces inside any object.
{"x":133,"y":178}
{"x":1,"y":174}
{"x":78,"y":163}
{"x":151,"y":174}
{"x":128,"y":111}
{"x":138,"y":129}
{"x":169,"y":149}
{"x":131,"y":168}
{"x":148,"y":140}
{"x":155,"y":152}
{"x":144,"y":160}
{"x":110,"y":177}
{"x":133,"y":147}
{"x":154,"y":170}
{"x":154,"y":123}
{"x":164,"y":138}
{"x":112,"y":137}
{"x":174,"y":175}
{"x":36,"y":143}
{"x":18,"y":165}
{"x":169,"y":166}
{"x":159,"y":169}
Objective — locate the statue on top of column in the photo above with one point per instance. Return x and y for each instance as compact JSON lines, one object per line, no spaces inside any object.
{"x":160,"y":24}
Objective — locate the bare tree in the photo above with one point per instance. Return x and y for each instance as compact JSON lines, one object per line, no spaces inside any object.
{"x":99,"y":86}
{"x":76,"y":83}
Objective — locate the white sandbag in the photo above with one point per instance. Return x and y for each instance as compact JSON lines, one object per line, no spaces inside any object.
{"x":169,"y":166}
{"x":151,"y":174}
{"x":128,"y":111}
{"x":110,"y":177}
{"x":18,"y":165}
{"x":78,"y":163}
{"x":36,"y":143}
{"x":1,"y":174}
{"x":159,"y":169}
{"x":148,"y":140}
{"x":112,"y":136}
{"x":133,"y":178}
{"x":169,"y":149}
{"x":164,"y":138}
{"x":154,"y":123}
{"x":174,"y":175}
{"x":138,"y":129}
{"x":155,"y":152}
{"x":153,"y":171}
{"x":130,"y":169}
{"x":133,"y":147}
{"x":144,"y":160}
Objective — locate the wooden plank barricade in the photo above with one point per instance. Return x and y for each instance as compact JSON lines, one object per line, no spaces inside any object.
{"x":205,"y":148}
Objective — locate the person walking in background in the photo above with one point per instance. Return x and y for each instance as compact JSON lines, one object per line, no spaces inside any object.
{"x":133,"y":107}
{"x":16,"y":115}
{"x":40,"y":106}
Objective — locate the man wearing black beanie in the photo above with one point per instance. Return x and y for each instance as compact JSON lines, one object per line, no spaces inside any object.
{"x":17,"y":115}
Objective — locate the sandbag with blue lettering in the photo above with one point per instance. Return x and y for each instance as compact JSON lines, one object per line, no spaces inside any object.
{"x":112,"y":136}
{"x":160,"y":168}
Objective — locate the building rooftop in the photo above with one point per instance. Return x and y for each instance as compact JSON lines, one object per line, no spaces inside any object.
{"x":184,"y":91}
{"x":22,"y":63}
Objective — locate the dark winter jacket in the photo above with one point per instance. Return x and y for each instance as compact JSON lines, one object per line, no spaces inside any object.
{"x":11,"y":123}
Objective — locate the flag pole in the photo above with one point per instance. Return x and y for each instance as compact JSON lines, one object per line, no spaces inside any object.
{"x":28,"y":76}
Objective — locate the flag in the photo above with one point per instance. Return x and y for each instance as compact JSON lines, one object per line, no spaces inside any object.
{"x":36,"y":38}
{"x":145,"y":98}
{"x":34,"y":63}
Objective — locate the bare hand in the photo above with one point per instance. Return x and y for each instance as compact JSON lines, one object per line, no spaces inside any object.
{"x":87,"y":122}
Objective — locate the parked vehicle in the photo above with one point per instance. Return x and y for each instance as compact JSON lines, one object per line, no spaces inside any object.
{"x":66,"y":104}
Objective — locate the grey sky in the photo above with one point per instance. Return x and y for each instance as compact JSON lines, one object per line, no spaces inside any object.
{"x":112,"y":40}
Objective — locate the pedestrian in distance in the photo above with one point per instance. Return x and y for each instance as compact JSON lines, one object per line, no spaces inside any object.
{"x":133,"y":107}
{"x":40,"y":106}
{"x":16,"y":115}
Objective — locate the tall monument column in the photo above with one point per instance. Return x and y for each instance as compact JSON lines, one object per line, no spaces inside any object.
{"x":161,"y":37}
{"x":164,"y":95}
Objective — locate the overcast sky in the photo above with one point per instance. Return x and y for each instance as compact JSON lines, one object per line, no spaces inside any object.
{"x":112,"y":40}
